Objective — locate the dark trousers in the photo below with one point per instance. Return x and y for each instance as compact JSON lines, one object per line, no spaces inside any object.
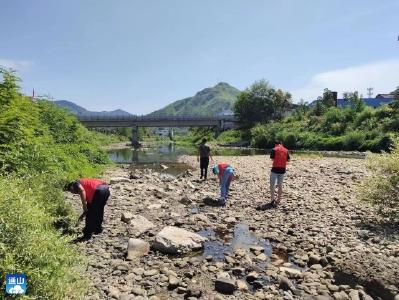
{"x":204,"y":163}
{"x":95,"y":212}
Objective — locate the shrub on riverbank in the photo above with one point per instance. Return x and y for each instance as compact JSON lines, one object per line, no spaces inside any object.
{"x":382,"y":189}
{"x":336,"y":129}
{"x":41,"y":148}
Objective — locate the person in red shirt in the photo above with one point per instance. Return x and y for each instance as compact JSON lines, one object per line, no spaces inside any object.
{"x":280,"y":157}
{"x":94,"y":194}
{"x":225,"y":173}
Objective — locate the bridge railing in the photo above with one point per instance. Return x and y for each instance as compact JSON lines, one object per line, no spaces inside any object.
{"x":83,"y":118}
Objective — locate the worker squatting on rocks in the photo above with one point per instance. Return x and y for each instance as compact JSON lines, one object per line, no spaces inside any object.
{"x":94,"y":194}
{"x":225,"y":173}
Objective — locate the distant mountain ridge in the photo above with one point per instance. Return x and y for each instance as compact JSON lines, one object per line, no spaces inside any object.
{"x":78,"y":110}
{"x":207,"y":102}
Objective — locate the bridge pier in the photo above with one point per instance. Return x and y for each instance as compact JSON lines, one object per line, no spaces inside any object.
{"x":135,"y":137}
{"x":171,"y":134}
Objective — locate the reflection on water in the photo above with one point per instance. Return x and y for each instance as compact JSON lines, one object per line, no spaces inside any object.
{"x":221,"y":241}
{"x":168,"y":154}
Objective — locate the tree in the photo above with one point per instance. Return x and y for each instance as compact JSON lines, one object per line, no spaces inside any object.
{"x":354,"y":101}
{"x":396,"y":94}
{"x":8,"y":86}
{"x":328,"y":98}
{"x":282,"y":102}
{"x":256,"y":104}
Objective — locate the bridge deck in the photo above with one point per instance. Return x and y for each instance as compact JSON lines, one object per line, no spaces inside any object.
{"x":163,"y":121}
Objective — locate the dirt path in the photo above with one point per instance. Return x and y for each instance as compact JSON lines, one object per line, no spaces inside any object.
{"x":326,"y":245}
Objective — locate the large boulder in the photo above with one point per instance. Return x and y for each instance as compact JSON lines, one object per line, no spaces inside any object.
{"x":174,"y":240}
{"x":137,"y":248}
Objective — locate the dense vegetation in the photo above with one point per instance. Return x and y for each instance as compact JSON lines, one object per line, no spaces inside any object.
{"x":321,"y":126}
{"x":41,"y":147}
{"x":208,"y":102}
{"x":382,"y":188}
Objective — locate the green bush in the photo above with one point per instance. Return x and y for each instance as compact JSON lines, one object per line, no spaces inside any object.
{"x":41,"y":148}
{"x":30,"y":244}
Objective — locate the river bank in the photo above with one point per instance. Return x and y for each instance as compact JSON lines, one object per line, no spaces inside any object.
{"x":323,"y":242}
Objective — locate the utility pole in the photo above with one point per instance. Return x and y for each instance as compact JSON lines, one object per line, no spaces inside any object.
{"x":370,"y":92}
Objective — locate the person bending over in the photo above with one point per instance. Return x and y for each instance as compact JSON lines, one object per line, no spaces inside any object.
{"x":225,"y":173}
{"x":94,"y":194}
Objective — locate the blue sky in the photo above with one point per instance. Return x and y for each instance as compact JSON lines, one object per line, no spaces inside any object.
{"x":142,"y":55}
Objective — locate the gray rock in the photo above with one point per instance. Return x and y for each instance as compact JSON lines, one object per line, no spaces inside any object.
{"x":119,"y":180}
{"x":127,"y":217}
{"x":176,"y":240}
{"x":286,"y":284}
{"x":354,"y":295}
{"x":139,"y":225}
{"x":173,"y":282}
{"x":225,"y":285}
{"x":340,"y":296}
{"x":113,"y":292}
{"x":137,"y":248}
{"x":314,"y":259}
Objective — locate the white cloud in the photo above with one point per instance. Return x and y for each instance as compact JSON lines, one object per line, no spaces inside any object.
{"x":18,"y":65}
{"x":383,"y":76}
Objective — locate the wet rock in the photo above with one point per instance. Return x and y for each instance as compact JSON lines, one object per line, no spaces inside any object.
{"x":225,"y":285}
{"x":137,"y":248}
{"x":176,"y":240}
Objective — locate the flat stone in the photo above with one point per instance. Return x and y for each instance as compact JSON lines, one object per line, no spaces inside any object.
{"x":137,"y":248}
{"x":176,"y":240}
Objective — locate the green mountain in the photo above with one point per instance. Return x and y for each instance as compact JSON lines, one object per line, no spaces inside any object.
{"x":208,"y":102}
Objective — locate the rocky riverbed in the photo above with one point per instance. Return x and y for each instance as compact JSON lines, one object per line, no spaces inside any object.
{"x":321,"y":243}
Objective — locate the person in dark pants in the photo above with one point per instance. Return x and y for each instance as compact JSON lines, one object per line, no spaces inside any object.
{"x":204,"y":153}
{"x":94,"y":194}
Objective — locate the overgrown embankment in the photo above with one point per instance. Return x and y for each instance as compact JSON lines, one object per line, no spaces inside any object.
{"x":41,"y":147}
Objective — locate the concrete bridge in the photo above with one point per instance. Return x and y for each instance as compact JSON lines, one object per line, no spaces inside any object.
{"x":220,"y":123}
